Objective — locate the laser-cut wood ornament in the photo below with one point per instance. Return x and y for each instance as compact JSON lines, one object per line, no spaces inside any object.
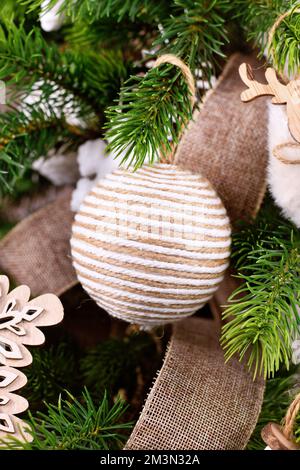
{"x":282,"y":94}
{"x":19,"y":322}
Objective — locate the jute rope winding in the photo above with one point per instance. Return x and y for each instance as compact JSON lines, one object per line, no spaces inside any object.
{"x":282,"y":437}
{"x":186,"y":71}
{"x":277,"y":152}
{"x":290,"y":418}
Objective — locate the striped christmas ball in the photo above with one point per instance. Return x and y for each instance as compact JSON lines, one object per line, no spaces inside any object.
{"x":151,"y":246}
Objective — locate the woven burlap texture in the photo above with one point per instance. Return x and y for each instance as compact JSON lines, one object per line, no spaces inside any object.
{"x":227,"y":142}
{"x":37,"y":251}
{"x":198,"y":402}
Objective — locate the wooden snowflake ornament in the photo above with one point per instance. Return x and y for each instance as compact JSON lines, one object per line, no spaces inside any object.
{"x":19,"y":322}
{"x":282,"y":94}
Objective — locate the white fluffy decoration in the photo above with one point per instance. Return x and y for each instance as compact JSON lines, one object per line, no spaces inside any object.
{"x":59,"y":168}
{"x":94,"y":164}
{"x":51,"y":19}
{"x":283,"y":179}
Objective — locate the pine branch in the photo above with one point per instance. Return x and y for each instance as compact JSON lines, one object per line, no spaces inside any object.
{"x":26,"y":136}
{"x":76,"y":425}
{"x":119,"y":9}
{"x":142,"y":124}
{"x":107,"y":33}
{"x":112,"y":364}
{"x":195,"y":31}
{"x":262,"y":313}
{"x":90,"y":79}
{"x":258,"y":17}
{"x":154,"y":109}
{"x":279,"y":394}
{"x":53,"y":369}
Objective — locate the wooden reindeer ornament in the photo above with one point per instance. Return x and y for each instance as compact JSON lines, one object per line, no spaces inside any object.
{"x":282,"y":94}
{"x":19,"y":319}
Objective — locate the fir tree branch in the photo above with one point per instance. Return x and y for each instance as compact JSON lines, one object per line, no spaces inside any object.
{"x":262,"y":313}
{"x":142,"y":124}
{"x":88,"y":77}
{"x":257,"y":18}
{"x":52,"y":371}
{"x":112,"y":364}
{"x":76,"y":425}
{"x":279,"y":394}
{"x":154,"y":109}
{"x":119,"y":9}
{"x":24,"y":138}
{"x":195,"y":31}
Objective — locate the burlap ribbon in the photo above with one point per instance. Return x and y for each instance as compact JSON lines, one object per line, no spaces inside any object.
{"x":37,"y":251}
{"x":197,"y":402}
{"x":227,"y":143}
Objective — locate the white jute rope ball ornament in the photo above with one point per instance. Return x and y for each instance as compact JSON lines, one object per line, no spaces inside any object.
{"x":151,"y":246}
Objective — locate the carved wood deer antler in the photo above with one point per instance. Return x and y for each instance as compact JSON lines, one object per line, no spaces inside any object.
{"x":289,"y":94}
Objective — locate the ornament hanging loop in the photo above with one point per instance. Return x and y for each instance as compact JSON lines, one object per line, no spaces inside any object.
{"x":276,"y":24}
{"x":282,"y":437}
{"x":187,"y":73}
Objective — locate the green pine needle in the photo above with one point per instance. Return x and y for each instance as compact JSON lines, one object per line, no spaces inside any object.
{"x":262,"y":314}
{"x":53,"y":370}
{"x":75,"y":424}
{"x":142,"y":124}
{"x":279,"y":394}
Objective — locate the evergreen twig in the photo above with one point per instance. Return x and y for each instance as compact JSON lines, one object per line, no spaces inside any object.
{"x":262,"y":314}
{"x":76,"y":425}
{"x":279,"y":394}
{"x":257,"y":18}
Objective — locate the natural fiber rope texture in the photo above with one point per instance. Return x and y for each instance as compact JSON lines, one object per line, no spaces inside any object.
{"x":186,"y":71}
{"x":151,"y":246}
{"x":286,"y":145}
{"x":290,"y":418}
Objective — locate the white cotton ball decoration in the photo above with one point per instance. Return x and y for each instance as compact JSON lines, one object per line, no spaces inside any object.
{"x":283,"y":178}
{"x":58,"y":168}
{"x":93,"y":159}
{"x":151,"y":246}
{"x":94,"y":163}
{"x":84,"y":185}
{"x":51,"y":19}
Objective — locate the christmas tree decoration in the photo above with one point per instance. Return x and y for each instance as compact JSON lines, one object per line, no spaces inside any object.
{"x":284,"y":137}
{"x":160,"y":182}
{"x":20,"y":319}
{"x":146,"y":252}
{"x":94,"y":163}
{"x":281,"y":437}
{"x":282,"y":94}
{"x":151,"y":247}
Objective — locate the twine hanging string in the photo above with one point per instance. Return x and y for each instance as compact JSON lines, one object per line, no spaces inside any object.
{"x":282,"y":437}
{"x":186,"y":72}
{"x":290,"y":418}
{"x":286,"y":146}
